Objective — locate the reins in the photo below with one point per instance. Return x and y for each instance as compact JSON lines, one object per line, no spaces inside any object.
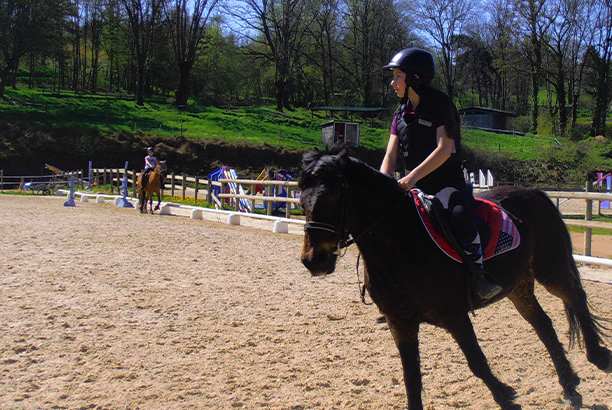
{"x":346,"y":238}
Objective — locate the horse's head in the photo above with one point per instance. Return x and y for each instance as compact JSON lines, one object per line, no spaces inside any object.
{"x":162,"y":169}
{"x":323,"y":198}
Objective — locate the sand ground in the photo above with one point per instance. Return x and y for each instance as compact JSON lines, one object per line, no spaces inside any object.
{"x":104,"y":308}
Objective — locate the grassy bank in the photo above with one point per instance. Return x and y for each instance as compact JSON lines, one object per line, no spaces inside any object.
{"x":202,"y":136}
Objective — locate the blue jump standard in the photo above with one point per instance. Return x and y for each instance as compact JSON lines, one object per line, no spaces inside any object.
{"x":70,"y":201}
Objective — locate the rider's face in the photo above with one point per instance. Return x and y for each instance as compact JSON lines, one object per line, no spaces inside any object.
{"x":399,"y":82}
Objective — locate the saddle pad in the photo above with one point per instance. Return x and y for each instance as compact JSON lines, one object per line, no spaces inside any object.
{"x":504,"y":235}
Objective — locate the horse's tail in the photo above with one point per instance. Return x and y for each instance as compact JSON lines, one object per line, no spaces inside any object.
{"x":596,"y":322}
{"x":599,"y":324}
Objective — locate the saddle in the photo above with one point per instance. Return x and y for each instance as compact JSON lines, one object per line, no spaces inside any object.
{"x":498,"y":233}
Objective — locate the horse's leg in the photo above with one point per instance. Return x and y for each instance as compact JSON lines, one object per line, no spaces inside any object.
{"x":460,"y":327}
{"x":158,"y":194}
{"x":142,"y":197}
{"x":528,"y":306}
{"x":406,"y":338}
{"x":567,"y":286}
{"x":151,"y":203}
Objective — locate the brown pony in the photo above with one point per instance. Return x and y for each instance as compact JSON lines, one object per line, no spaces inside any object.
{"x":412,"y":281}
{"x":154,"y":186}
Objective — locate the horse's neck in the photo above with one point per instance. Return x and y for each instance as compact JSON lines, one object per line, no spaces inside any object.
{"x":375,"y":197}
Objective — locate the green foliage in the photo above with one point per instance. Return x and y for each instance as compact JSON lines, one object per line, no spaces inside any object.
{"x":71,"y":127}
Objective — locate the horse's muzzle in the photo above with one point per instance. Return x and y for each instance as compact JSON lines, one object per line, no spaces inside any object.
{"x":319,"y":262}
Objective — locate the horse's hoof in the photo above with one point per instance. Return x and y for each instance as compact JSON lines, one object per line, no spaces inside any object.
{"x":574,"y":402}
{"x":601,"y":358}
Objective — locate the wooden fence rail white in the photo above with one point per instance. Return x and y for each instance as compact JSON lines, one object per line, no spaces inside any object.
{"x":196,"y":186}
{"x":588,"y":224}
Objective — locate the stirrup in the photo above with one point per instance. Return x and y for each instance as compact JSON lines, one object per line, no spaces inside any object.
{"x":485,"y":289}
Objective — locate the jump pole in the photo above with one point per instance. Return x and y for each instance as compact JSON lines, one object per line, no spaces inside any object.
{"x":124,"y":203}
{"x":70,"y":201}
{"x":89,"y":185}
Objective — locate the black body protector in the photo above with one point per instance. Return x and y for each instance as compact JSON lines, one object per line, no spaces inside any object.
{"x":417,"y":139}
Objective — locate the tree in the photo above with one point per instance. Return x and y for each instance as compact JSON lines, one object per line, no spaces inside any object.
{"x":533,"y":29}
{"x":443,"y":21}
{"x":187,"y":31}
{"x":376,"y":31}
{"x":323,"y":50}
{"x":28,"y":26}
{"x":601,"y":54}
{"x":278,"y":26}
{"x":144,"y":18}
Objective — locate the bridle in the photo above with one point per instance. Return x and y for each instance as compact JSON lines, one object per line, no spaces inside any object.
{"x":339,"y":230}
{"x":346,"y":239}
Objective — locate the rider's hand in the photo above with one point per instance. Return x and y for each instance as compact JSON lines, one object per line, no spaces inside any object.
{"x":407,"y":183}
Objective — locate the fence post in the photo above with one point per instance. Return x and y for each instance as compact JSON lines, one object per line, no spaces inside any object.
{"x":287,"y":204}
{"x":2,"y":180}
{"x":183,"y":184}
{"x":269,"y":191}
{"x":253,"y":193}
{"x":209,"y":191}
{"x":197,"y":180}
{"x":222,"y":191}
{"x":588,"y":216}
{"x":172,"y":185}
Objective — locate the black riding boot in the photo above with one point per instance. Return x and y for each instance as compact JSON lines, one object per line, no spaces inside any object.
{"x":484,"y":288}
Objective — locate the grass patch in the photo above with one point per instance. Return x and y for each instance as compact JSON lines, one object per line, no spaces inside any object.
{"x":526,"y":148}
{"x":596,"y":218}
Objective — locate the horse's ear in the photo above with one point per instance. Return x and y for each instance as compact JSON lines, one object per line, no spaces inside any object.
{"x":309,"y":157}
{"x":344,"y":153}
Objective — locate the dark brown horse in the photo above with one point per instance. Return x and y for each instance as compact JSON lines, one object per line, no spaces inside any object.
{"x":412,"y":281}
{"x":154,"y":186}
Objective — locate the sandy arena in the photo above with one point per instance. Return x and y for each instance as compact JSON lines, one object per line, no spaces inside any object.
{"x":104,"y":308}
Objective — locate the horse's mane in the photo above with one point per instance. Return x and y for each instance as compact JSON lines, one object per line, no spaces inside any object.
{"x":335,"y":166}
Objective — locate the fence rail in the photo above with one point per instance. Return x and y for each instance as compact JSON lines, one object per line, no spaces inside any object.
{"x":588,"y":224}
{"x":196,"y":186}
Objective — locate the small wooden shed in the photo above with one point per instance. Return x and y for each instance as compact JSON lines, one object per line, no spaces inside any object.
{"x":334,"y":131}
{"x":488,"y":118}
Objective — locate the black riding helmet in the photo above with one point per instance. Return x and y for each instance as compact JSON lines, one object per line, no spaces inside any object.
{"x":414,"y":61}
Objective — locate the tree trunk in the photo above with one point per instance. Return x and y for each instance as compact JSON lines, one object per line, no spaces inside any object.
{"x":280,"y":94}
{"x":140,"y":86}
{"x":183,"y":90}
{"x":2,"y":86}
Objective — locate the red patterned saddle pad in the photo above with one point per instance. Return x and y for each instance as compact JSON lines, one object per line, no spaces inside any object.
{"x":504,"y":235}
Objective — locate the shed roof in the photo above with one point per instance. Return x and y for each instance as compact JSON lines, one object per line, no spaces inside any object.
{"x":351,"y":109}
{"x":485,"y":110}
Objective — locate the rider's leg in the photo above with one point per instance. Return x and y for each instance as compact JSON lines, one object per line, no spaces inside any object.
{"x":462,"y":224}
{"x":145,"y":178}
